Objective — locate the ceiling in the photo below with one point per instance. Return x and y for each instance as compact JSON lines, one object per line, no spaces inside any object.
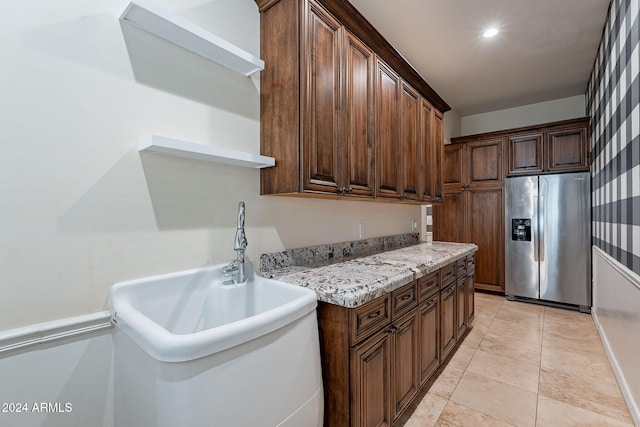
{"x":545,"y":49}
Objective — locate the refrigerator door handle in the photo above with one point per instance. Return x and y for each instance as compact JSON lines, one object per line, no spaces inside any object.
{"x":534,"y":226}
{"x":541,"y":228}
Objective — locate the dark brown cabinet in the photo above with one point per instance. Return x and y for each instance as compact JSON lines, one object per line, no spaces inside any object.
{"x":525,"y":154}
{"x":405,"y":140}
{"x":469,"y":291}
{"x":485,"y":227}
{"x":371,"y":380}
{"x":429,"y":337}
{"x":321,"y":124}
{"x":568,"y":149}
{"x":473,"y":208}
{"x":338,"y":149}
{"x":359,"y":84}
{"x":412,"y":150}
{"x":341,"y":111}
{"x":448,"y":320}
{"x":388,"y":147}
{"x":404,"y":362}
{"x":376,"y":357}
{"x":549,"y":148}
{"x":461,"y":298}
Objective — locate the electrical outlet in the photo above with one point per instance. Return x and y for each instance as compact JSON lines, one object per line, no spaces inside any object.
{"x":414,"y":225}
{"x":361,"y":231}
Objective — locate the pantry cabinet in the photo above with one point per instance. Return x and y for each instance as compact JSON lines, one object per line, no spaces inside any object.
{"x":377,"y":357}
{"x":473,"y":208}
{"x":341,"y":111}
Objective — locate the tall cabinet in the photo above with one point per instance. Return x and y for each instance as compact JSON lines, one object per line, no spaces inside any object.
{"x":473,"y":205}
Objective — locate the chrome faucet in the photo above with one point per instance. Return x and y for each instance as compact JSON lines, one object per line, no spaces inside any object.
{"x":235,"y":269}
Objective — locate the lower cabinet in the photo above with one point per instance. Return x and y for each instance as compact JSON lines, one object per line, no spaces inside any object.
{"x":376,"y":357}
{"x":404,"y":362}
{"x":448,"y":319}
{"x":429,"y":338}
{"x":370,"y":381}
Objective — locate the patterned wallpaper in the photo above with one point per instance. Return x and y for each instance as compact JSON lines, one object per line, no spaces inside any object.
{"x":613,"y":104}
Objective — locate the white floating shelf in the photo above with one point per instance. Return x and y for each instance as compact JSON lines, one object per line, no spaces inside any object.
{"x":170,"y":27}
{"x":208,"y":153}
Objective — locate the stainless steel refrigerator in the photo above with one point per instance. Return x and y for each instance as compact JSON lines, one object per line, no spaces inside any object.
{"x":548,"y":239}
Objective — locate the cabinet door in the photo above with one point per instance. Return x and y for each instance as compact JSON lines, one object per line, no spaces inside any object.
{"x":525,"y":154}
{"x":370,"y":382}
{"x":470,"y":299}
{"x":387,"y":131}
{"x":322,"y":151}
{"x":358,"y":99}
{"x":412,"y":151}
{"x":568,"y":150}
{"x":449,"y":218}
{"x":447,"y":320}
{"x":461,"y":318}
{"x":485,"y":162}
{"x":486,"y":229}
{"x":438,"y":153}
{"x":405,"y":380}
{"x":429,"y":337}
{"x":452,"y":168}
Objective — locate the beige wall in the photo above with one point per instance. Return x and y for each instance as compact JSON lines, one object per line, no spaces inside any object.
{"x":526,"y":115}
{"x":82,"y":209}
{"x":452,"y":125}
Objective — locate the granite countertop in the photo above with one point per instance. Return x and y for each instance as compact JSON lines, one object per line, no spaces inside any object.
{"x":353,"y":282}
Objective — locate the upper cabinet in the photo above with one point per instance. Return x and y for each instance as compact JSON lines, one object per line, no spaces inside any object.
{"x":342,"y":112}
{"x":553,"y":148}
{"x":388,"y":145}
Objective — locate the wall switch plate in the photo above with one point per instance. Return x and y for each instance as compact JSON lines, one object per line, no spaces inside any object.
{"x":361,"y":231}
{"x":414,"y":225}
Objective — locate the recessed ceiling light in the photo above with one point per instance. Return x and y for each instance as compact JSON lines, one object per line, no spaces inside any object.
{"x":490,"y":32}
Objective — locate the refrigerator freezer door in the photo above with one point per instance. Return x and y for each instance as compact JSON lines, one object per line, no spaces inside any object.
{"x":565,"y":244}
{"x":521,"y":265}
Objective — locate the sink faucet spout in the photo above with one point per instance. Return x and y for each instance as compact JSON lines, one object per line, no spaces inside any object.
{"x":235,"y":269}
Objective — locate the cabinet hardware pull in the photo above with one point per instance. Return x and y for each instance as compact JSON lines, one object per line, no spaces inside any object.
{"x":349,"y":190}
{"x":374,"y":315}
{"x":405,"y":297}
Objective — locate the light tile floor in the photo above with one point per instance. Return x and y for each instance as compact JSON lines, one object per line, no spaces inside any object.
{"x":525,"y":365}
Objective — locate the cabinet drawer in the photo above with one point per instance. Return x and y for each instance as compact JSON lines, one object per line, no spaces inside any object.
{"x":369,"y":318}
{"x":448,"y":275}
{"x":404,"y":299}
{"x":471,"y":264}
{"x":428,"y":285}
{"x":461,"y":267}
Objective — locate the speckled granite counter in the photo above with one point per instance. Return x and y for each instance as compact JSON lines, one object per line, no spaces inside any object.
{"x":353,"y":282}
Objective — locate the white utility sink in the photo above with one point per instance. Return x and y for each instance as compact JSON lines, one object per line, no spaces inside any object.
{"x":190,"y":350}
{"x":190,"y":314}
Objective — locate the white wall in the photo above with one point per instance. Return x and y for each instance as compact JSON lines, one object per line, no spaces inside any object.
{"x":76,"y":371}
{"x":616,"y":309}
{"x":82,"y":209}
{"x":452,"y":125}
{"x":526,"y":115}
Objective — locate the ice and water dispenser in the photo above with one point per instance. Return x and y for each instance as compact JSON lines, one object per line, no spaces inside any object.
{"x":521,"y":229}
